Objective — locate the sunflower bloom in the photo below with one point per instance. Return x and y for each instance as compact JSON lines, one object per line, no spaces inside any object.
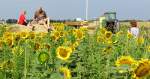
{"x":103,"y":30}
{"x":32,"y":35}
{"x":10,"y":41}
{"x":79,"y":34}
{"x":109,"y":42}
{"x":66,"y":73}
{"x":37,"y":46}
{"x":62,"y":33}
{"x":108,"y":35}
{"x":129,"y":35}
{"x":143,"y":69}
{"x":107,"y":50}
{"x":74,"y":45}
{"x":47,"y":46}
{"x":55,"y":35}
{"x":24,"y":35}
{"x":58,"y":26}
{"x":7,"y":35}
{"x":125,"y":60}
{"x":63,"y":52}
{"x":17,"y":37}
{"x":140,"y":40}
{"x":100,"y":39}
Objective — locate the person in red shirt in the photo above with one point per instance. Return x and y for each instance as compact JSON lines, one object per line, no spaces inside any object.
{"x":22,"y":19}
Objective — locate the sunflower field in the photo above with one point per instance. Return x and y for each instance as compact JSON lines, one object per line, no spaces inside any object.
{"x":71,"y":53}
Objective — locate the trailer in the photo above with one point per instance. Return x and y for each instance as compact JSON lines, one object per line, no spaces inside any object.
{"x":76,"y":24}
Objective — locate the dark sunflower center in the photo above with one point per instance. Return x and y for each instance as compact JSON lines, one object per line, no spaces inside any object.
{"x":63,"y":53}
{"x":142,"y":70}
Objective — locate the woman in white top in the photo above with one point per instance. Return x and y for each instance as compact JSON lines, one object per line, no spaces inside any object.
{"x":134,"y":28}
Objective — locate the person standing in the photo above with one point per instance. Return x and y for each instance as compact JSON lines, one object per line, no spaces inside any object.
{"x":22,"y":19}
{"x":134,"y":30}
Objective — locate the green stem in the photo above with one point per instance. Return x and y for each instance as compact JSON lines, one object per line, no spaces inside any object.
{"x":25,"y":70}
{"x":107,"y":67}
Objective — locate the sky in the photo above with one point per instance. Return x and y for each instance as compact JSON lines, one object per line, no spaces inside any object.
{"x":70,"y":9}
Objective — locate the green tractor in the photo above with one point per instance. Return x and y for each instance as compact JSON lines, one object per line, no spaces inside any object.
{"x":109,"y":21}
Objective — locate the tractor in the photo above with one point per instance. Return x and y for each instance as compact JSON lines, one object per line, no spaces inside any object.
{"x":109,"y":21}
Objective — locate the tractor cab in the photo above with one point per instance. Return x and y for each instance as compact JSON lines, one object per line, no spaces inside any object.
{"x":109,"y":21}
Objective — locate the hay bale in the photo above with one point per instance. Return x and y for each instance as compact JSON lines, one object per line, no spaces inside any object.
{"x":39,"y":28}
{"x":21,"y":28}
{"x":18,"y":28}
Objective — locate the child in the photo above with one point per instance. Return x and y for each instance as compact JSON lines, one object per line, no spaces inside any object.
{"x":134,"y":30}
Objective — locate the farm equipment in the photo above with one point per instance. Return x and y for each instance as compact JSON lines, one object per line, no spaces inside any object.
{"x":109,"y":21}
{"x":76,"y":24}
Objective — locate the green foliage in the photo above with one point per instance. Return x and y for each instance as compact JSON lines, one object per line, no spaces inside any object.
{"x":88,"y":61}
